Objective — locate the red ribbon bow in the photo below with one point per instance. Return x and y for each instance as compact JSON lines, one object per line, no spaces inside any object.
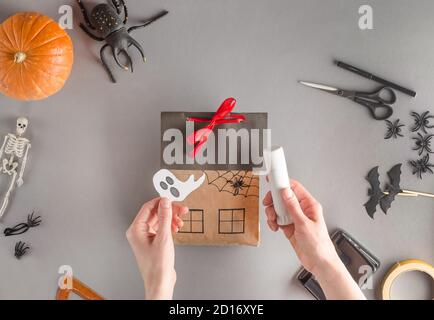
{"x":222,"y":115}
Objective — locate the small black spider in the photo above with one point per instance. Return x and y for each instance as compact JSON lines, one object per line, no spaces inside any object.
{"x":421,"y":121}
{"x":423,"y":143}
{"x":23,"y":227}
{"x":21,"y":249}
{"x":393,"y":129}
{"x":421,"y":166}
{"x":238,"y":185}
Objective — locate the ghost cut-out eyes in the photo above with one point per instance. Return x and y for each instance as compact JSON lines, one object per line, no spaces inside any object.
{"x":169,"y":186}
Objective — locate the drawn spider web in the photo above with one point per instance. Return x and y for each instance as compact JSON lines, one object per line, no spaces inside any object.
{"x":238,"y":183}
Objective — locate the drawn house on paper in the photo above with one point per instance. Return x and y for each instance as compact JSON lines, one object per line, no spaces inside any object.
{"x":225,"y":209}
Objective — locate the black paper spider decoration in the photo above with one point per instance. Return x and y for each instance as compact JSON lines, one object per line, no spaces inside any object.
{"x":421,"y":121}
{"x":238,"y":185}
{"x":246,"y":183}
{"x":23,"y":227}
{"x":106,"y":21}
{"x":421,"y":166}
{"x":21,"y":249}
{"x":423,"y":143}
{"x":393,"y":129}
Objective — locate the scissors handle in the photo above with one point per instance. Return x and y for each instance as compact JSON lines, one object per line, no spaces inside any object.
{"x":379,"y":110}
{"x":386,"y":95}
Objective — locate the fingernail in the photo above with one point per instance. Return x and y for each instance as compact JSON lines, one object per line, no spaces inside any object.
{"x":287,"y":193}
{"x":165,"y":203}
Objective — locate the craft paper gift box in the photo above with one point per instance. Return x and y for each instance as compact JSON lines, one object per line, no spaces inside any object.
{"x":224,"y":210}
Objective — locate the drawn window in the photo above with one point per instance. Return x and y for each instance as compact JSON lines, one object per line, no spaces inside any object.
{"x":231,"y":221}
{"x":193,"y":222}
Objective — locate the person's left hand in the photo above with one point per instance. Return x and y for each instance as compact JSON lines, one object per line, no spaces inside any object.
{"x":150,"y":237}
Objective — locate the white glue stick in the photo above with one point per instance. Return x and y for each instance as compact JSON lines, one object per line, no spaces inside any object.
{"x":278,"y":179}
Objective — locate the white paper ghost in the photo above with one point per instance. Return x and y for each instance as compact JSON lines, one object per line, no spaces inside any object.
{"x":169,"y":186}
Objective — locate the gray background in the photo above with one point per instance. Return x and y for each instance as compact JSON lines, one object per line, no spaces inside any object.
{"x":96,"y":145}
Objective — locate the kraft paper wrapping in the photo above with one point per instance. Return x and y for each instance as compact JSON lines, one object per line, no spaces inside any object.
{"x":220,"y":217}
{"x":219,"y":213}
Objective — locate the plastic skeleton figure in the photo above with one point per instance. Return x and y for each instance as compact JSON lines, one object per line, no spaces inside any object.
{"x":14,"y":150}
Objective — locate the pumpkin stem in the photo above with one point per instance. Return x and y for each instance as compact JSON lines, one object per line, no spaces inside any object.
{"x":20,"y":57}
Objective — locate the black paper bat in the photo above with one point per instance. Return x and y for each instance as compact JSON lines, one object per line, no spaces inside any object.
{"x":377,"y":196}
{"x":375,"y":192}
{"x":392,"y":188}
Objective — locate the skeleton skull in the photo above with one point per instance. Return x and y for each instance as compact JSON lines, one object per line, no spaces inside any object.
{"x":22,"y":124}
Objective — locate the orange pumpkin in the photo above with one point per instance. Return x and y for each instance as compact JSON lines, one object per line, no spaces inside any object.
{"x":36,"y":56}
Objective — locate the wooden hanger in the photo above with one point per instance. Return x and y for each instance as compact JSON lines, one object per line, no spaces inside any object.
{"x":80,"y":289}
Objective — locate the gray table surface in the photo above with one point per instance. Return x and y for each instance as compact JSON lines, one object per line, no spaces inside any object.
{"x":96,"y":145}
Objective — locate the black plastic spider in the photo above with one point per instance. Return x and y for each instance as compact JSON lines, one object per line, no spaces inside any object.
{"x":238,"y":185}
{"x":105,"y":23}
{"x":393,"y":129}
{"x":421,"y":121}
{"x":421,"y":166}
{"x":23,"y":227}
{"x":21,"y":249}
{"x":423,"y":143}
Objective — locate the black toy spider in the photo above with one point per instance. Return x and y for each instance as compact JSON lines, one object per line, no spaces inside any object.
{"x":23,"y":227}
{"x":393,"y":129}
{"x":106,"y":21}
{"x":238,"y":185}
{"x":423,"y":143}
{"x":421,"y":166}
{"x":20,"y":249}
{"x":421,"y":121}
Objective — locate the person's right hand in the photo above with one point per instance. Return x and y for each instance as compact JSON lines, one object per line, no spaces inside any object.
{"x":308,"y":234}
{"x":310,"y":239}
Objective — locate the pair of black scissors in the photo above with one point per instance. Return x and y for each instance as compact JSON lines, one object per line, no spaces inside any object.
{"x":378,"y":102}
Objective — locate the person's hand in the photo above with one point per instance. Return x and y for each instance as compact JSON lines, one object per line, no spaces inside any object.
{"x":150,"y":237}
{"x":310,"y":239}
{"x":308,"y":234}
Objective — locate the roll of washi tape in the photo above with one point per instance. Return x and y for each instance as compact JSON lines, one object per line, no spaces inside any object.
{"x":400,"y":268}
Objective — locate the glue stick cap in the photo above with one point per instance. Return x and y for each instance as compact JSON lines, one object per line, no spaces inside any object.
{"x":278,"y":180}
{"x":273,"y":156}
{"x":277,"y":157}
{"x":278,"y":170}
